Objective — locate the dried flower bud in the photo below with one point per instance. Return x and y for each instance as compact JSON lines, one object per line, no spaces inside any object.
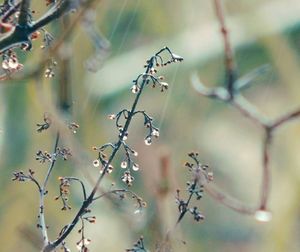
{"x":135,"y":153}
{"x":112,"y":116}
{"x":135,"y":167}
{"x":148,"y":141}
{"x":124,"y":165}
{"x":96,"y":163}
{"x":5,"y":65}
{"x":155,"y":133}
{"x":135,"y":89}
{"x":82,"y":244}
{"x":127,"y":178}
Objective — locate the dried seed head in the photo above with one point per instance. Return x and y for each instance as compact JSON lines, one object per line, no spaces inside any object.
{"x":125,"y":136}
{"x":96,"y":163}
{"x":5,"y":65}
{"x":155,"y":133}
{"x":127,"y":178}
{"x":210,"y":176}
{"x":135,"y":167}
{"x":148,"y":141}
{"x":135,"y":89}
{"x":112,"y":116}
{"x":81,"y":245}
{"x":124,"y":165}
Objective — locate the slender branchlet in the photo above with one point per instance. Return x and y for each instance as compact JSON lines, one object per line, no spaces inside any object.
{"x":148,"y":77}
{"x":199,"y":177}
{"x":45,"y":157}
{"x":232,"y":95}
{"x":43,"y":192}
{"x":138,"y":246}
{"x":105,"y":157}
{"x":228,"y":52}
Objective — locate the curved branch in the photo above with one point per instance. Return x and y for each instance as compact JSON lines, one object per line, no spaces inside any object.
{"x":227,"y":200}
{"x":55,"y":12}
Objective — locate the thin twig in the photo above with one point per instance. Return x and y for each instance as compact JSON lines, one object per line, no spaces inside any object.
{"x":52,"y":163}
{"x":266,"y":176}
{"x":43,"y":192}
{"x":228,"y":52}
{"x":55,"y":12}
{"x":115,"y":192}
{"x":24,"y":13}
{"x":185,"y":206}
{"x":285,"y":118}
{"x":52,"y":245}
{"x":233,"y":97}
{"x":250,"y":111}
{"x":228,"y":201}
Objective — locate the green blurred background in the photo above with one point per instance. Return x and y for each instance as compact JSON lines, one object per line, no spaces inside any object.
{"x":261,"y":32}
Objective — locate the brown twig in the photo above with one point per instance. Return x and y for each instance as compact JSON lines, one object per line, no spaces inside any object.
{"x":228,"y":52}
{"x":285,"y":118}
{"x":232,"y":96}
{"x":266,"y":176}
{"x":227,"y":200}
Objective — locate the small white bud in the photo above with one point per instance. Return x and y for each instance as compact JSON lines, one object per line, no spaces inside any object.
{"x":135,"y":167}
{"x":124,"y":165}
{"x":135,"y":89}
{"x":112,"y":116}
{"x":148,"y":141}
{"x":96,"y":163}
{"x":155,"y":133}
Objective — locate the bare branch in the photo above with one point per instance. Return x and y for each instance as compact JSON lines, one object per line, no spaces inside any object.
{"x":266,"y":176}
{"x":228,"y":201}
{"x":24,"y":13}
{"x":43,"y":192}
{"x":228,"y":52}
{"x":232,"y":96}
{"x":55,"y":12}
{"x":285,"y":118}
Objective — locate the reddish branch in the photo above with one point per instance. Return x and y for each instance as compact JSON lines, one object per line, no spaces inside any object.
{"x":231,"y":95}
{"x":228,"y":52}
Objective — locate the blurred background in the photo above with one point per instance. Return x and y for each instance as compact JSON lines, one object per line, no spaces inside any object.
{"x":99,"y":63}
